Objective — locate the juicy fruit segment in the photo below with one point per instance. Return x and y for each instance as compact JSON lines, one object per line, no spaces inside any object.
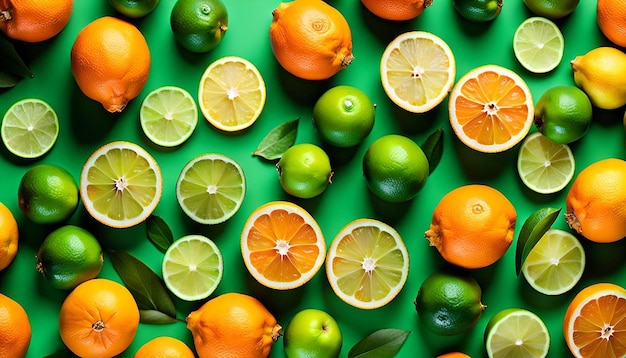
{"x":168,"y":116}
{"x":417,"y":71}
{"x":120,"y":184}
{"x":15,"y":328}
{"x":538,"y":44}
{"x":544,"y":166}
{"x":282,"y":245}
{"x":304,"y":170}
{"x":34,"y":20}
{"x":199,"y":25}
{"x":30,"y":128}
{"x":599,"y":73}
{"x":164,"y":347}
{"x":397,"y":10}
{"x":563,"y":114}
{"x":367,"y":263}
{"x":491,"y":109}
{"x":9,"y":237}
{"x":515,"y":332}
{"x":478,"y":10}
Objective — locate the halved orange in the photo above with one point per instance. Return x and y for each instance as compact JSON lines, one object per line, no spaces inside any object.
{"x":595,"y":322}
{"x":282,"y":245}
{"x":491,"y":109}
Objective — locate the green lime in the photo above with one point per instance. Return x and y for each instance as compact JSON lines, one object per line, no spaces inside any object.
{"x":168,"y":116}
{"x":515,"y":332}
{"x":48,"y":194}
{"x":199,"y":25}
{"x":395,"y":168}
{"x":552,"y":9}
{"x":563,"y":114}
{"x":134,"y":8}
{"x":538,"y":45}
{"x":545,"y":167}
{"x":30,"y":128}
{"x":69,"y":256}
{"x":304,"y":170}
{"x":478,"y":10}
{"x":449,"y":302}
{"x":344,"y":116}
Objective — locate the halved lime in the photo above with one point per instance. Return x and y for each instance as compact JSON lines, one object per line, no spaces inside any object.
{"x":555,"y":264}
{"x":192,"y":267}
{"x":515,"y":332}
{"x":544,"y":166}
{"x":168,"y":116}
{"x":30,"y":128}
{"x":538,"y":44}
{"x":211,"y":188}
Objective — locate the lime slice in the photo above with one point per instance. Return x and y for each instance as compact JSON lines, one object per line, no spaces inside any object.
{"x":544,"y":166}
{"x":556,"y":263}
{"x":211,"y":188}
{"x":192,"y":267}
{"x":168,"y":116}
{"x":518,"y":333}
{"x":30,"y":128}
{"x":538,"y":44}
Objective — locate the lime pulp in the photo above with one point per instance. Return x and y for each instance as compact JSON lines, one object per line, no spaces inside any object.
{"x":168,"y":116}
{"x":538,"y":45}
{"x":30,"y":128}
{"x":544,"y":166}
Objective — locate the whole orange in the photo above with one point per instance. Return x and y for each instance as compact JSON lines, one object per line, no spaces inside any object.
{"x":9,"y":235}
{"x":15,"y":329}
{"x":472,"y":226}
{"x":596,"y":201}
{"x":397,"y":10}
{"x":233,"y":325}
{"x":611,"y":18}
{"x":310,"y":39}
{"x":99,"y":318}
{"x":110,"y":62}
{"x":34,"y":20}
{"x":164,"y":347}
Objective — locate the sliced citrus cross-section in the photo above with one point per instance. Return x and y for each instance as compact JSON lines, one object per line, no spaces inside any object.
{"x":231,"y":93}
{"x":417,"y":70}
{"x":282,"y":245}
{"x":491,"y":109}
{"x":544,"y":166}
{"x":30,"y":128}
{"x":168,"y":116}
{"x":538,"y":44}
{"x":516,"y":332}
{"x":367,"y":263}
{"x":120,"y":184}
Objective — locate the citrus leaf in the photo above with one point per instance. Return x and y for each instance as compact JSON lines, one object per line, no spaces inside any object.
{"x":147,"y":288}
{"x":159,"y":232}
{"x":531,"y":232}
{"x":278,"y":140}
{"x":11,"y":61}
{"x":155,"y":317}
{"x":433,"y":149}
{"x":384,"y":343}
{"x":8,"y":79}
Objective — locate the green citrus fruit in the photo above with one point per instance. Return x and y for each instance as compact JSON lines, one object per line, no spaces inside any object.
{"x":563,"y":114}
{"x":552,"y":9}
{"x":134,"y":8}
{"x":344,"y":116}
{"x":478,"y":10}
{"x":199,"y":25}
{"x":304,"y":170}
{"x":395,"y":168}
{"x":69,"y":256}
{"x":312,"y":333}
{"x":48,"y":194}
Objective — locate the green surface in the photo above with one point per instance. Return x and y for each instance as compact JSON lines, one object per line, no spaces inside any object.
{"x":85,"y":126}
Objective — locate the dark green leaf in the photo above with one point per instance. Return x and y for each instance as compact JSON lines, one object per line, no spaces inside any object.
{"x":278,"y":140}
{"x":64,"y":353}
{"x":147,"y":288}
{"x":159,"y":232}
{"x":433,"y":148}
{"x":531,"y":232}
{"x":8,"y":79}
{"x":384,"y":343}
{"x":155,"y":317}
{"x":11,"y":61}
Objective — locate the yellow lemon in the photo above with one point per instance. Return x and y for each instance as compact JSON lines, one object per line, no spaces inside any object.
{"x":601,"y":73}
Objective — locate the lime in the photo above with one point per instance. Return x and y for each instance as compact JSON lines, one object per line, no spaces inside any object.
{"x":515,"y":332}
{"x":69,"y":256}
{"x":211,"y":188}
{"x":395,"y":168}
{"x":544,"y":166}
{"x":478,"y":10}
{"x":563,"y":114}
{"x":30,"y":128}
{"x":168,"y":116}
{"x":48,"y":194}
{"x":538,"y":45}
{"x":537,"y":224}
{"x":192,"y":267}
{"x":304,"y":170}
{"x":134,"y":8}
{"x":344,"y":116}
{"x":199,"y":25}
{"x":552,"y":9}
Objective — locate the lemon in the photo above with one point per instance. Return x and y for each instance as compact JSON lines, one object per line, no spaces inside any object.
{"x":516,"y":332}
{"x":601,"y":73}
{"x":563,"y":114}
{"x":199,"y":25}
{"x":168,"y":116}
{"x":538,"y":45}
{"x":304,"y":170}
{"x":30,"y":128}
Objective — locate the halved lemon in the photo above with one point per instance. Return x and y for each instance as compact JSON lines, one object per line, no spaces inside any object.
{"x":544,"y":166}
{"x":30,"y":128}
{"x":168,"y":116}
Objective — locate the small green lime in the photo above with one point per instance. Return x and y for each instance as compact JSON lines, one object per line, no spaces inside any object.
{"x":344,"y":116}
{"x":69,"y":256}
{"x":552,"y":9}
{"x":48,"y":194}
{"x":199,"y":25}
{"x":134,"y":8}
{"x":478,"y":10}
{"x":304,"y":170}
{"x":563,"y":114}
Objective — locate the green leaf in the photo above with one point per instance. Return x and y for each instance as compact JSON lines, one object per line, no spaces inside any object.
{"x":278,"y":140}
{"x":11,"y":61}
{"x":147,"y":288}
{"x":159,"y":232}
{"x":384,"y":343}
{"x":8,"y":79}
{"x":433,"y":148}
{"x":155,"y":317}
{"x":537,"y":224}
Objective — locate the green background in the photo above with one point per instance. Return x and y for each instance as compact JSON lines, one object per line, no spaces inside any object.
{"x":85,"y":126}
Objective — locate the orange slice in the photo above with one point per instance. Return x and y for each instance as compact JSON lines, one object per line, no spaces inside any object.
{"x":282,"y":245}
{"x":491,"y":109}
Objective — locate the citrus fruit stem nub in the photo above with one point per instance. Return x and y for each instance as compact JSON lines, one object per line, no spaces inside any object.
{"x":5,"y":15}
{"x":573,"y":222}
{"x":98,"y":326}
{"x":277,"y":332}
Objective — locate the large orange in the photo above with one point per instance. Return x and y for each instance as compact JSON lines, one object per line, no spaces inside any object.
{"x":397,"y":10}
{"x":310,"y":39}
{"x":611,"y":18}
{"x":34,"y":20}
{"x":98,"y":319}
{"x":110,"y":62}
{"x":9,"y":236}
{"x":15,"y":329}
{"x":164,"y":347}
{"x":472,"y":226}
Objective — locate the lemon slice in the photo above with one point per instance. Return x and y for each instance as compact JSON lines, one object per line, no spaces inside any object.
{"x":544,"y":166}
{"x":515,"y":332}
{"x":417,"y":70}
{"x":120,"y":184}
{"x":30,"y":128}
{"x":367,"y":264}
{"x":192,"y":267}
{"x":211,"y":188}
{"x":168,"y":116}
{"x":231,"y":94}
{"x":538,"y":45}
